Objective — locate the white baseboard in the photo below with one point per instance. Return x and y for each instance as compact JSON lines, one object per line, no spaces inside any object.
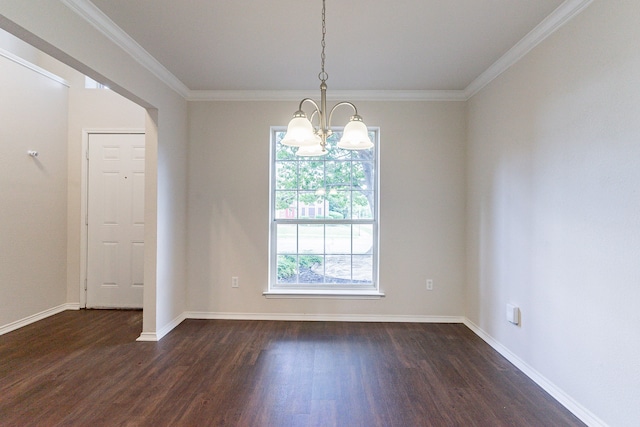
{"x":148,"y":336}
{"x":323,"y":317}
{"x":157,"y":336}
{"x":578,"y":410}
{"x":38,"y":316}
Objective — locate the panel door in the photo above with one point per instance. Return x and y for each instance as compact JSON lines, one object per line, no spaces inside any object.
{"x":115,"y":246}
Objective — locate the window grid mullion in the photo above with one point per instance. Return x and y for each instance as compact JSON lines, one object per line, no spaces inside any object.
{"x":324,"y":227}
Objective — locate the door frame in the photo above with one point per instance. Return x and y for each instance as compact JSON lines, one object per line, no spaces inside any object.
{"x":84,"y":202}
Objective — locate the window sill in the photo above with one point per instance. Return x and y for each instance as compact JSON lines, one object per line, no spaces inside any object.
{"x":319,"y":293}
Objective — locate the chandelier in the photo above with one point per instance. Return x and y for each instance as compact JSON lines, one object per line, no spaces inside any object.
{"x":312,"y":140}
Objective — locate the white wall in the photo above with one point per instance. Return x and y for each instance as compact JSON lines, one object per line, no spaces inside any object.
{"x":33,"y":213}
{"x":554,"y":210}
{"x":74,"y":42}
{"x":14,"y":45}
{"x":422,"y":219}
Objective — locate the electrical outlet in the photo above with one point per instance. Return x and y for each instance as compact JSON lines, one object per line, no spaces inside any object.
{"x":429,"y":284}
{"x":234,"y":282}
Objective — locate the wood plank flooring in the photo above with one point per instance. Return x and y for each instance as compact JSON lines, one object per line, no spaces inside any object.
{"x":84,"y":368}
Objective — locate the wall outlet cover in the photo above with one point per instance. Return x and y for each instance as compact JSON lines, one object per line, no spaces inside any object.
{"x":513,"y":314}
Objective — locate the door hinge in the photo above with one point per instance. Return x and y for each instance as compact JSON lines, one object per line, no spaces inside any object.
{"x":86,"y":219}
{"x":85,"y":284}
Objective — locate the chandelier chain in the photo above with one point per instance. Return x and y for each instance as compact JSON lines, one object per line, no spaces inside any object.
{"x":323,"y":76}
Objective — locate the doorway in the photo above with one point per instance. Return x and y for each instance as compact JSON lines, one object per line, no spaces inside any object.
{"x":114,"y":220}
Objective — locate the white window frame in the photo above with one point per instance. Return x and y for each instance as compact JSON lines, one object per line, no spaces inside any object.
{"x":331,"y":290}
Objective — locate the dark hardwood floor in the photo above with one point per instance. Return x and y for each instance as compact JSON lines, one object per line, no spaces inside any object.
{"x":85,"y":368}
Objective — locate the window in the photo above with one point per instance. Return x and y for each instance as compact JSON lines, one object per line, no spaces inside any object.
{"x":89,"y":83}
{"x":324,"y":219}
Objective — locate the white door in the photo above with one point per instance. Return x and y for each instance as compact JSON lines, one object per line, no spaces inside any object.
{"x":115,"y":208}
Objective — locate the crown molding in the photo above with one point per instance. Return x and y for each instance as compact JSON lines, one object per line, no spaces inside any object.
{"x":10,"y":56}
{"x":563,"y":14}
{"x":334,"y":95}
{"x":96,"y":18}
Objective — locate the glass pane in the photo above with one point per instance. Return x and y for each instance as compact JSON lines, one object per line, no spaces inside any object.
{"x":311,"y":239}
{"x":287,"y":269}
{"x":332,"y":150}
{"x":363,"y":175}
{"x":286,"y":175}
{"x":338,"y":175}
{"x":362,"y":204}
{"x":362,"y":268}
{"x":286,"y":205}
{"x":339,"y":205}
{"x":284,"y":152}
{"x":287,"y":239}
{"x":364,"y":155}
{"x":338,"y":153}
{"x":338,"y":269}
{"x":362,"y":238}
{"x":310,"y":204}
{"x":311,"y":268}
{"x":322,"y":208}
{"x":311,"y":175}
{"x":338,"y":239}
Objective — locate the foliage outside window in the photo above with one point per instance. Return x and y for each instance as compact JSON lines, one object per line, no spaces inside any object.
{"x":324,"y":228}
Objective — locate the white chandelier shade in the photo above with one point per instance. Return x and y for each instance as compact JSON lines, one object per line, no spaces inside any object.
{"x":311,"y":151}
{"x":355,"y":135}
{"x":300,"y":133}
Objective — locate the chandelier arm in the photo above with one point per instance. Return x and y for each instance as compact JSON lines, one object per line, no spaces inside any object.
{"x":315,"y":112}
{"x":355,"y":110}
{"x":315,"y":105}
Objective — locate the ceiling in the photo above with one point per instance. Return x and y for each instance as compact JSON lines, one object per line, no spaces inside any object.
{"x":371,"y":45}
